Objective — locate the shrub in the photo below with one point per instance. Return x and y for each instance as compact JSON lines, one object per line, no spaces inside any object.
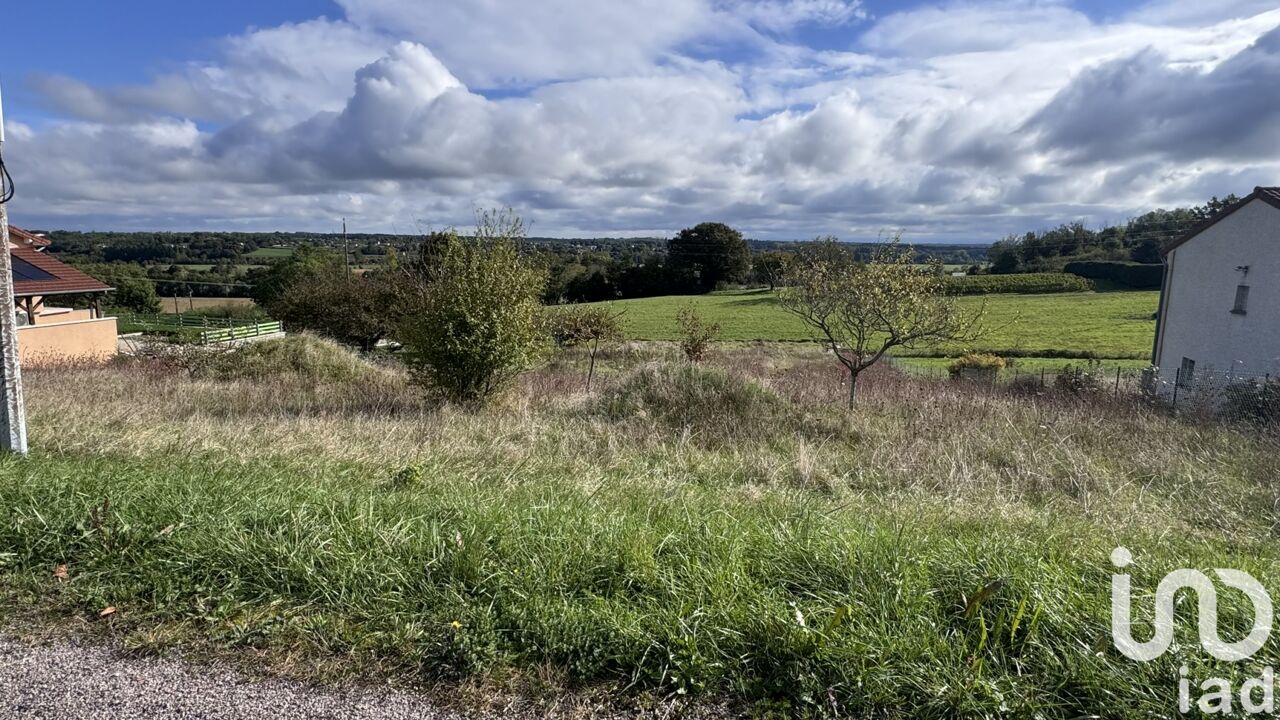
{"x":978,"y":362}
{"x":1079,"y":379}
{"x":355,"y":310}
{"x":1144,"y":276}
{"x":1026,"y":283}
{"x":473,"y":321}
{"x":714,"y":404}
{"x":305,"y":356}
{"x":696,"y":334}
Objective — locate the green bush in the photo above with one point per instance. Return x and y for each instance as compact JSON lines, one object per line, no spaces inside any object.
{"x":305,"y":356}
{"x":711,"y":403}
{"x":1079,"y":379}
{"x":1140,"y":276}
{"x":696,"y":333}
{"x":473,"y":321}
{"x":135,"y":294}
{"x":1025,"y":283}
{"x":353,"y":309}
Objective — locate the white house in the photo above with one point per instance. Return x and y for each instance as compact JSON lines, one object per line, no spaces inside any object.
{"x":1219,"y":313}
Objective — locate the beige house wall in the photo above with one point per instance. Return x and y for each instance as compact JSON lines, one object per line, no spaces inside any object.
{"x":51,"y":315}
{"x":93,"y":340}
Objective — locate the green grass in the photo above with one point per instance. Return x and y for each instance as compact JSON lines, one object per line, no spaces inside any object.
{"x":728,"y":533}
{"x":1109,"y":325}
{"x":271,"y":252}
{"x":239,"y":269}
{"x":1024,"y":366}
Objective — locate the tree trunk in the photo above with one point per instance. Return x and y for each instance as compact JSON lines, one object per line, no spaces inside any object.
{"x":591,"y":370}
{"x":853,"y":386}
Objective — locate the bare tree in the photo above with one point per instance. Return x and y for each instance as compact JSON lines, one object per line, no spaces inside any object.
{"x":863,"y":310}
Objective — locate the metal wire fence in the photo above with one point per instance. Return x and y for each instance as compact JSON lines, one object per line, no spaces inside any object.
{"x":1231,"y":396}
{"x":1077,"y":376}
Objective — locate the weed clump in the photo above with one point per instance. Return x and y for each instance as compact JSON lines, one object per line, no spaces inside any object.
{"x":715,"y":405}
{"x":303,"y":356}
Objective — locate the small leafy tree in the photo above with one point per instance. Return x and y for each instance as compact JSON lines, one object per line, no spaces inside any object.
{"x":306,"y":264}
{"x":696,"y":333}
{"x":136,"y":294}
{"x":471,"y":322}
{"x":581,"y":325}
{"x":863,"y":310}
{"x":770,"y":267}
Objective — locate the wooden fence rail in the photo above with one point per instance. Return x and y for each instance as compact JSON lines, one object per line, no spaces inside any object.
{"x":212,"y":330}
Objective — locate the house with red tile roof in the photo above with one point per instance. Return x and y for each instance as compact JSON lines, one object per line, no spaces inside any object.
{"x":50,"y":326}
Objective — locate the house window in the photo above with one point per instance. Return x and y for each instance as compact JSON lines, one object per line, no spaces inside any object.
{"x":1186,"y":373}
{"x":1242,"y":299}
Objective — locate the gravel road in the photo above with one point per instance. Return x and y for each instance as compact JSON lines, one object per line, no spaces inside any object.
{"x":65,"y":681}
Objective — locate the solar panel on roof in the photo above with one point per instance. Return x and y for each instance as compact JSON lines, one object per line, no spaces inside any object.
{"x":23,"y":270}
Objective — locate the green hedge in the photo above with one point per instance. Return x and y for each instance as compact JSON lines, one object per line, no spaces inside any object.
{"x":1145,"y":276}
{"x":1017,"y":283}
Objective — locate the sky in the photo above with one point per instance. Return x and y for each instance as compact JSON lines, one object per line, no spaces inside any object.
{"x":955,"y":121}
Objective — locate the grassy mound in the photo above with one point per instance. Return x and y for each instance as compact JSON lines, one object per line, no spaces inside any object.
{"x":304,"y":356}
{"x":716,"y":406}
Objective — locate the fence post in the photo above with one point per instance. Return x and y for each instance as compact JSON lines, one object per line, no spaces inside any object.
{"x":1117,"y":382}
{"x":1041,"y":377}
{"x":1177,"y":382}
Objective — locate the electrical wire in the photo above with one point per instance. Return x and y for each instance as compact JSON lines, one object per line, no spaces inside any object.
{"x":7,"y":187}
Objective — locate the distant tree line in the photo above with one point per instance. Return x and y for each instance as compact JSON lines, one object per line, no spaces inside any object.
{"x":228,"y":264}
{"x":699,"y":260}
{"x":1140,"y":240}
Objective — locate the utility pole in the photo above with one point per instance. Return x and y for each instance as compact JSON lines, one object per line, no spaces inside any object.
{"x":13,"y":414}
{"x":346,"y":252}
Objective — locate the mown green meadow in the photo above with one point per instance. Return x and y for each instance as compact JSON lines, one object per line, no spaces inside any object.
{"x":1118,"y":325}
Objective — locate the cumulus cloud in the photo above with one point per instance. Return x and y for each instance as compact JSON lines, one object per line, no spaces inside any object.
{"x":786,"y":15}
{"x":1141,"y":105}
{"x":959,"y":121}
{"x":964,"y":27}
{"x":492,"y":42}
{"x":290,"y":71}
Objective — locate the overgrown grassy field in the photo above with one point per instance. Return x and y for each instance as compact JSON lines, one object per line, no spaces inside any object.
{"x":721,"y":533}
{"x":188,"y":304}
{"x":1108,"y":325}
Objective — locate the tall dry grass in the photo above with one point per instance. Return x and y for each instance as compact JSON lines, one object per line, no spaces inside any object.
{"x":910,"y":439}
{"x":727,"y":530}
